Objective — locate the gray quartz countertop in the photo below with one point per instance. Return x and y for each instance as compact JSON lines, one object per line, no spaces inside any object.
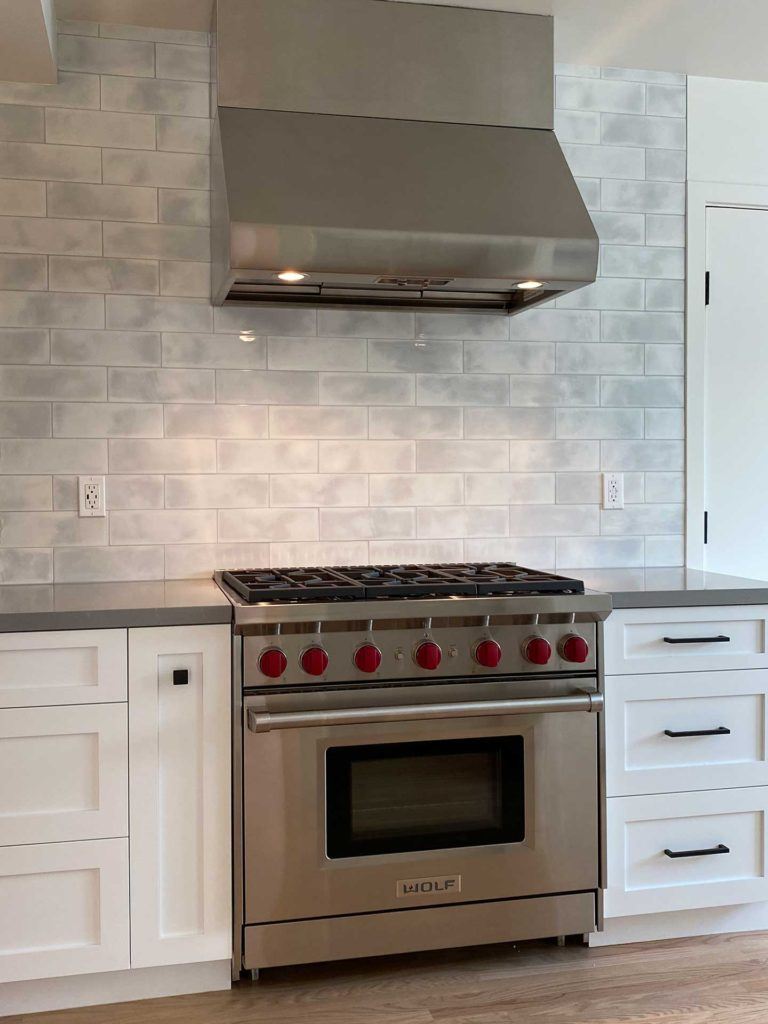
{"x":103,"y":605}
{"x":673,"y":588}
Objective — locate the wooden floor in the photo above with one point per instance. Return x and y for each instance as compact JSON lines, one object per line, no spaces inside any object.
{"x":718,"y":980}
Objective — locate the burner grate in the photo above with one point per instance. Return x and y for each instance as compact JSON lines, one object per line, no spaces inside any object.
{"x":380,"y":582}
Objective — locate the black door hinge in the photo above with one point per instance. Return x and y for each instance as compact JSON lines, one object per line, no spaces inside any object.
{"x":706,"y":527}
{"x":706,"y":288}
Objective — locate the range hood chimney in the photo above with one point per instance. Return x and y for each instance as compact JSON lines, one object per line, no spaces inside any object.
{"x":377,"y":154}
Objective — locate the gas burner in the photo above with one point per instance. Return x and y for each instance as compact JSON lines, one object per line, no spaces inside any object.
{"x":376,"y":582}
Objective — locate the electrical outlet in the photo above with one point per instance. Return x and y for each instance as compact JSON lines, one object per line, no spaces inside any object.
{"x":91,"y":492}
{"x":613,"y":490}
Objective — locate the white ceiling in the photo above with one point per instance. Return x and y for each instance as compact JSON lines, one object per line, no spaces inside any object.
{"x":719,"y":38}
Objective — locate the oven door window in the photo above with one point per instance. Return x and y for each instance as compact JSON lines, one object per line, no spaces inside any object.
{"x":401,"y":797}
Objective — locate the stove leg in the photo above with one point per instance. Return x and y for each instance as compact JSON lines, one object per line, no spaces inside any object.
{"x":561,"y":940}
{"x":253,"y":973}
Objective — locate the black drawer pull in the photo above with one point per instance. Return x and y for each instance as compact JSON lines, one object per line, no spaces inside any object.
{"x":721,"y":730}
{"x":697,"y":639}
{"x":697,"y":853}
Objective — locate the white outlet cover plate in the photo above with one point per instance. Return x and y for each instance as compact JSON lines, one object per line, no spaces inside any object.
{"x":613,"y":490}
{"x":91,"y":503}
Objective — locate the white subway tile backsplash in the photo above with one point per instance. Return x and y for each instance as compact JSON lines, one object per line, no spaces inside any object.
{"x":246,"y":421}
{"x":105,"y":348}
{"x":49,"y":163}
{"x":157,"y":170}
{"x":22,"y":198}
{"x":106,"y":419}
{"x":107,"y":564}
{"x":316,"y":353}
{"x":106,"y":56}
{"x":336,"y":436}
{"x":99,"y":128}
{"x":415,"y":423}
{"x":367,"y":456}
{"x":509,"y":357}
{"x":22,"y":124}
{"x":270,"y":456}
{"x":154,"y":96}
{"x":72,"y":90}
{"x":511,"y":423}
{"x":367,"y":389}
{"x":129,"y":384}
{"x":96,"y":274}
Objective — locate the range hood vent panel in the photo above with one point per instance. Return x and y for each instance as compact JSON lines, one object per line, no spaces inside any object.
{"x":351,"y":200}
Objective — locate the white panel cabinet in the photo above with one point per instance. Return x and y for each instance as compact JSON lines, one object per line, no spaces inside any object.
{"x":64,"y":909}
{"x":641,"y":640}
{"x":180,"y":728}
{"x":63,"y":773}
{"x":678,"y":732}
{"x":83,"y":666}
{"x":679,"y":851}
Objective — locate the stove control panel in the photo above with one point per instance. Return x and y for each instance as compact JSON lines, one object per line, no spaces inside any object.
{"x":297,"y":659}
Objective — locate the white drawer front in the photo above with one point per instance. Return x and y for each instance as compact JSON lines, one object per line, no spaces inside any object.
{"x":640,"y":710}
{"x":68,"y":667}
{"x":685,"y":639}
{"x":643,"y":879}
{"x":63,"y":909}
{"x":63,"y":773}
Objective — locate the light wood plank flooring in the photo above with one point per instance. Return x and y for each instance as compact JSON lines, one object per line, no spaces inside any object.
{"x":718,"y":980}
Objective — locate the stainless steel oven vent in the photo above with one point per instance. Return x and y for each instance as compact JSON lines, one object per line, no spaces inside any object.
{"x":391,"y":155}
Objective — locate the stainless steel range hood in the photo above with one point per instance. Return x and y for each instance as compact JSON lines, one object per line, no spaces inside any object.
{"x":397,"y":155}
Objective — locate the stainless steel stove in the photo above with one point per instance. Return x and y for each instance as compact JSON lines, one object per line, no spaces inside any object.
{"x":416,"y":758}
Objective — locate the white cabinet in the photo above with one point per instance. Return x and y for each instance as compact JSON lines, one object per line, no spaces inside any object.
{"x":681,"y":851}
{"x":677,"y":732}
{"x":641,"y":640}
{"x":64,"y":909}
{"x":686,"y":780}
{"x":63,"y":773}
{"x":83,"y":666}
{"x":180,"y":729}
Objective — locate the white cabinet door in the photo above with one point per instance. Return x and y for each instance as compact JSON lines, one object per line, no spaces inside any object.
{"x":180,"y":729}
{"x":63,"y":909}
{"x":681,"y":731}
{"x":640,"y":640}
{"x":80,"y":666}
{"x":681,"y":851}
{"x":63,"y":773}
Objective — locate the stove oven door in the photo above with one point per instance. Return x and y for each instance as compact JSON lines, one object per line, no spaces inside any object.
{"x":370,"y":816}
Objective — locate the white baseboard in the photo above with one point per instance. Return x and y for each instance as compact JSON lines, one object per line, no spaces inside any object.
{"x":49,"y":994}
{"x":746,"y":917}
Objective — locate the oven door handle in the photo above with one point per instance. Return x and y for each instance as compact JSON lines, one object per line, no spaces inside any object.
{"x":265,"y":722}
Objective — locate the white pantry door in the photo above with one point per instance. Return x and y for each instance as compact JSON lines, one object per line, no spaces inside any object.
{"x":736,"y":398}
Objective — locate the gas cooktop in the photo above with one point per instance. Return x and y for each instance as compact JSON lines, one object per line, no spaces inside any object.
{"x":380,"y":582}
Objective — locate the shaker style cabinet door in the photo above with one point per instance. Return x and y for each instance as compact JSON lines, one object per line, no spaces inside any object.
{"x":77,"y":666}
{"x":179,"y":756}
{"x":63,"y":773}
{"x":63,"y":909}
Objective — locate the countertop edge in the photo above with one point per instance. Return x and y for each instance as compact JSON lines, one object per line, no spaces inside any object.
{"x":114,"y":618}
{"x":688,"y":599}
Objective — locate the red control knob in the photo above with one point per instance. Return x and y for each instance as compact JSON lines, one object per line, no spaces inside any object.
{"x":272,"y":662}
{"x":368,"y":658}
{"x":428,"y":655}
{"x":314,"y":661}
{"x":488,"y":653}
{"x":574,"y":648}
{"x":537,"y":650}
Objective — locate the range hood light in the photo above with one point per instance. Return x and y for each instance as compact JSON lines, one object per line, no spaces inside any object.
{"x":247,"y":336}
{"x":291,"y":276}
{"x":526,"y":286}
